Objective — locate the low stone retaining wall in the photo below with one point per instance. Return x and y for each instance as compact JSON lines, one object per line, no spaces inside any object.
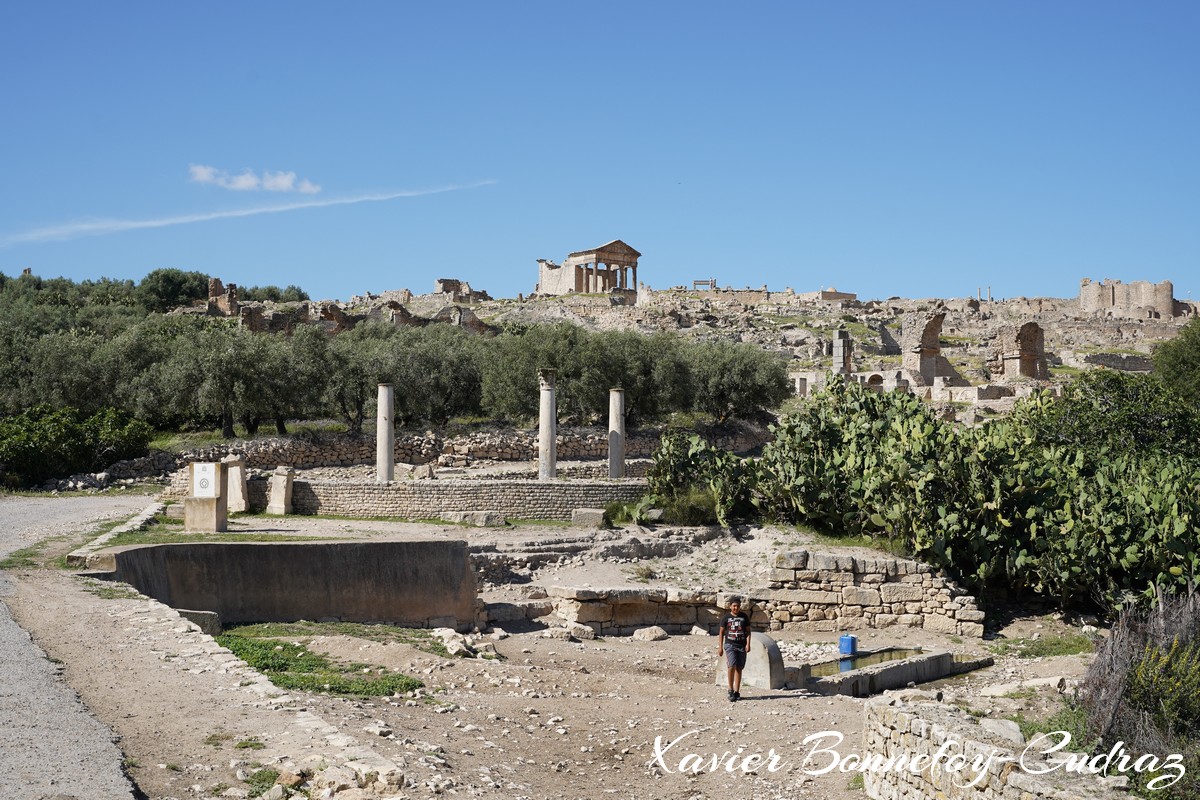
{"x":426,"y":499}
{"x":912,"y":724}
{"x":428,"y":447}
{"x":825,"y":592}
{"x":809,"y":591}
{"x":423,"y":583}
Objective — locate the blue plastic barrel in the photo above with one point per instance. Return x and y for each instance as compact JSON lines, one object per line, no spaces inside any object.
{"x":848,"y":645}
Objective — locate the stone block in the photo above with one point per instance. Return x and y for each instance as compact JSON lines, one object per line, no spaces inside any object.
{"x":970,"y":615}
{"x":676,"y":615}
{"x":900,"y":593}
{"x":764,"y":665}
{"x":574,"y":593}
{"x":651,"y":634}
{"x":588,"y":517}
{"x":207,"y":621}
{"x":205,"y":514}
{"x":972,"y":629}
{"x":830,"y":562}
{"x":692,"y":598}
{"x":804,"y":596}
{"x":911,"y":620}
{"x":940,"y":624}
{"x":797,"y":559}
{"x":589,"y":612}
{"x":858,"y":596}
{"x":582,"y":631}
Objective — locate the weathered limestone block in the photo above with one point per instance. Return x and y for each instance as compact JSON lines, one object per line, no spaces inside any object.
{"x":940,"y":624}
{"x":804,"y":596}
{"x":857,"y":596}
{"x":974,"y":629}
{"x":651,"y":634}
{"x":764,"y":665}
{"x":900,"y":593}
{"x":793,"y":560}
{"x":280,"y":492}
{"x":970,"y":615}
{"x":676,"y":615}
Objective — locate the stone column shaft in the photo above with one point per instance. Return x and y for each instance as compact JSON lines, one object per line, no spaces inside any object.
{"x":385,"y":434}
{"x":547,"y":427}
{"x":616,"y":433}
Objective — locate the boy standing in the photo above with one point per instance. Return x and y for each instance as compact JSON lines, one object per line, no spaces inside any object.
{"x":734,"y":642}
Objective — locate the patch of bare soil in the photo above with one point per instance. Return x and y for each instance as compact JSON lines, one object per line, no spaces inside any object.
{"x":548,"y":719}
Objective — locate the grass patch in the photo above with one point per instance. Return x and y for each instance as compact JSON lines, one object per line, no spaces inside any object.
{"x":893,"y":546}
{"x":249,"y":744}
{"x":644,"y":573}
{"x":217,"y":739}
{"x":1071,"y":717}
{"x":261,"y":781}
{"x":35,"y":556}
{"x":292,"y":666}
{"x":420,"y":638}
{"x":110,"y":590}
{"x":1070,"y":644}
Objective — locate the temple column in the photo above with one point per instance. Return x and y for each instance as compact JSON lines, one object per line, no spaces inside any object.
{"x":547,"y":427}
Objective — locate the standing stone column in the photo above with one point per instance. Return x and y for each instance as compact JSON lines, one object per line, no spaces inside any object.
{"x":616,"y":433}
{"x":385,"y":434}
{"x":547,"y":427}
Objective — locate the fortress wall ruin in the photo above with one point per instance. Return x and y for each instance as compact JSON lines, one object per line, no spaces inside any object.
{"x":1135,"y":300}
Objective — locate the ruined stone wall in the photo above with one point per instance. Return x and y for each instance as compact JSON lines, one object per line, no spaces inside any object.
{"x":433,"y":499}
{"x":1137,"y":299}
{"x":808,"y":592}
{"x":414,"y":448}
{"x":910,"y":723}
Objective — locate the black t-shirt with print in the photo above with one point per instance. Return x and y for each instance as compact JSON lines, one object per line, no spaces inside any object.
{"x":737,"y":629}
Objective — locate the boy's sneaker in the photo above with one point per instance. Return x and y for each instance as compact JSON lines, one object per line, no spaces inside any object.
{"x":737,"y":696}
{"x":732,"y":696}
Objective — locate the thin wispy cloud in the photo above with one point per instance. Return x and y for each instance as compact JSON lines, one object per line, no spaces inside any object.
{"x":101,"y":227}
{"x":250,"y":181}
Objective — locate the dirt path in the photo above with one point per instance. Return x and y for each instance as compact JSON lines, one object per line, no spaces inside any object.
{"x":51,"y":745}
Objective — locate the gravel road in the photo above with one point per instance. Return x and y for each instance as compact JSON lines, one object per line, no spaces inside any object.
{"x":50,"y":746}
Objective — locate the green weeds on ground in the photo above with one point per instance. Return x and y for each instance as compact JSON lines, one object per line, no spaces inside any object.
{"x":291,"y":665}
{"x":420,"y":638}
{"x":1070,"y":644}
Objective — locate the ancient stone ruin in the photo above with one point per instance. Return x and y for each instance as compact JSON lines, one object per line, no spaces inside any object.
{"x":611,"y":267}
{"x":1021,"y":353}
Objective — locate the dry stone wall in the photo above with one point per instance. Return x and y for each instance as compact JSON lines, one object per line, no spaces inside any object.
{"x":434,"y":499}
{"x":912,"y":724}
{"x":808,"y":591}
{"x":428,"y":447}
{"x":824,"y":592}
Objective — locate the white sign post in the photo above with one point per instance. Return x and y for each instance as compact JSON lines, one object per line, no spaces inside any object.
{"x":204,"y":480}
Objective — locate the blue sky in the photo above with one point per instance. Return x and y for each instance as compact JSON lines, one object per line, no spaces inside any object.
{"x":888,"y":148}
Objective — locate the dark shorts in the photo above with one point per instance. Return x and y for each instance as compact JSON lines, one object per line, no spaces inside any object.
{"x":734,"y":657}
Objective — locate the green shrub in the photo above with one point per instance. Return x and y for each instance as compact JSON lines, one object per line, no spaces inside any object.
{"x":1165,"y":682}
{"x":43,"y":443}
{"x":1080,"y":523}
